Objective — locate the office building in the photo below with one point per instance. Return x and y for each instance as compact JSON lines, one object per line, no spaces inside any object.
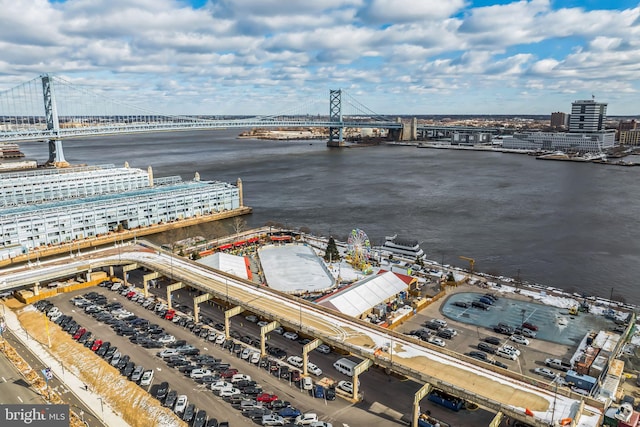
{"x":559,"y":120}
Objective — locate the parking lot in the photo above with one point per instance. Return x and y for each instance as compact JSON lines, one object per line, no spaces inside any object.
{"x":338,"y":411}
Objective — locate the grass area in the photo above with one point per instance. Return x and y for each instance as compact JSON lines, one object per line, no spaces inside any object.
{"x":134,"y":404}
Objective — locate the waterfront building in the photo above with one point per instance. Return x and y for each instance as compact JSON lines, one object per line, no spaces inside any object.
{"x":630,"y":137}
{"x":559,"y":120}
{"x":46,"y":207}
{"x":586,"y":132}
{"x":587,"y":116}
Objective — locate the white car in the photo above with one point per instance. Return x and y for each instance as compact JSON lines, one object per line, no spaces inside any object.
{"x":181,"y":404}
{"x":272,"y":420}
{"x":519,"y":339}
{"x":55,"y":316}
{"x":167,"y":339}
{"x":228,"y":392}
{"x":220,"y":339}
{"x":545,"y":372}
{"x":219,"y":385}
{"x":506,"y":354}
{"x":245,"y":354}
{"x":436,"y":341}
{"x":323,"y":348}
{"x":346,"y":386}
{"x":314,"y":369}
{"x":240,"y":377}
{"x":295,"y":361}
{"x":321,"y":424}
{"x":290,"y":335}
{"x":306,"y":419}
{"x":147,"y":378}
{"x":511,"y":349}
{"x":255,"y":357}
{"x":196,"y":374}
{"x":279,"y":330}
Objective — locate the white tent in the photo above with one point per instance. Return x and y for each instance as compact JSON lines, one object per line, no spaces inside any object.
{"x":366,"y":294}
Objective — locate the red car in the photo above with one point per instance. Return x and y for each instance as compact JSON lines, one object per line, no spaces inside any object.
{"x":79,"y":333}
{"x":170,"y":314}
{"x":130,"y":294}
{"x":530,"y":326}
{"x":229,"y":373}
{"x":96,"y":345}
{"x":266,"y":397}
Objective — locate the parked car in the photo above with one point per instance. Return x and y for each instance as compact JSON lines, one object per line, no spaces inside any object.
{"x":545,"y":372}
{"x":530,"y":326}
{"x":346,"y":386}
{"x":200,"y":418}
{"x":162,"y":390}
{"x":519,"y":339}
{"x":290,"y":335}
{"x":181,"y":404}
{"x":323,"y":348}
{"x":147,"y":378}
{"x":318,"y":391}
{"x":188,"y":413}
{"x":492,"y":340}
{"x":306,"y":419}
{"x":436,"y":341}
{"x":272,"y":420}
{"x":266,"y":397}
{"x":295,"y":361}
{"x":289,"y":412}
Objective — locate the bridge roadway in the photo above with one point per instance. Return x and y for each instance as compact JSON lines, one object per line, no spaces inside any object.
{"x":24,"y":135}
{"x":500,"y":392}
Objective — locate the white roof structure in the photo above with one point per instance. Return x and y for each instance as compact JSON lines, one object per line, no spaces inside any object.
{"x":294,"y":269}
{"x":233,"y":264}
{"x":366,"y":294}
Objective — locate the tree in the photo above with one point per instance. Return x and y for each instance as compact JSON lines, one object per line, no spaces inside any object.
{"x":239,"y":225}
{"x":331,"y":254}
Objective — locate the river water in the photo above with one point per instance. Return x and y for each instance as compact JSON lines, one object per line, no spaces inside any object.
{"x":568,"y":225}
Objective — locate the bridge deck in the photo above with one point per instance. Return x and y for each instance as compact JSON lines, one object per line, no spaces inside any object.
{"x":491,"y":389}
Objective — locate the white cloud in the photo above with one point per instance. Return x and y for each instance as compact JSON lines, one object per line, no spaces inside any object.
{"x":231,"y":47}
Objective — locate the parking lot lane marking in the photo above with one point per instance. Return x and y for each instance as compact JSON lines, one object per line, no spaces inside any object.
{"x":20,"y":399}
{"x":4,"y":379}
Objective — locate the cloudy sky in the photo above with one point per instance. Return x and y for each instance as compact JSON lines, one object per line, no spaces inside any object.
{"x":273,"y":56}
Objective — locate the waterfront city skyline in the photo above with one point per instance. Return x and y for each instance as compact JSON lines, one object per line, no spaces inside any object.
{"x":396,"y":57}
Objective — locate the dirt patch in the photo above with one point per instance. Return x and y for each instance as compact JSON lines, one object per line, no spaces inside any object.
{"x":13,"y":304}
{"x":135,"y":405}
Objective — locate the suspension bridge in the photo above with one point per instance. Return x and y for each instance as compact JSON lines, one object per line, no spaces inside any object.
{"x":50,"y":108}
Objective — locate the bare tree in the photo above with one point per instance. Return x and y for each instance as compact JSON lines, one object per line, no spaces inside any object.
{"x":239,"y":225}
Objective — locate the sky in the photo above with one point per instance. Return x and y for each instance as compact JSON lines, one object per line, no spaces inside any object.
{"x":251,"y":57}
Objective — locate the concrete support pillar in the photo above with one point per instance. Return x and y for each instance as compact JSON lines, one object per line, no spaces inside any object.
{"x":196,"y":305}
{"x":145,"y":281}
{"x":111,"y":271}
{"x":420,"y":394}
{"x":36,"y":289}
{"x":196,"y":311}
{"x":88,"y":278}
{"x":228,"y":314}
{"x":171,"y":288}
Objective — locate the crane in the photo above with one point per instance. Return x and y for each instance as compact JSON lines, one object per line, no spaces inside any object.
{"x":472,"y":262}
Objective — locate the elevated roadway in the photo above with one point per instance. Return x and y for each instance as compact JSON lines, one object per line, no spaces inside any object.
{"x":498,"y":390}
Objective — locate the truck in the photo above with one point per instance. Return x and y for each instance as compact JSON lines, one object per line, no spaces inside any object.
{"x":445,"y":399}
{"x":561,"y":364}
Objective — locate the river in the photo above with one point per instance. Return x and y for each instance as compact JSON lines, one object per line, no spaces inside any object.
{"x":568,"y":225}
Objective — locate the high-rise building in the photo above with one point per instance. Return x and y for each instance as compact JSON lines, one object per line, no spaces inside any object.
{"x":586,"y":132}
{"x":559,"y":120}
{"x":587,"y":116}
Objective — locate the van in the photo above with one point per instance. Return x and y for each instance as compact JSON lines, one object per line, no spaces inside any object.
{"x":345,"y":366}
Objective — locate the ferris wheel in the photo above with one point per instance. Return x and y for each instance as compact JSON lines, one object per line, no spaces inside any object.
{"x":359,"y":248}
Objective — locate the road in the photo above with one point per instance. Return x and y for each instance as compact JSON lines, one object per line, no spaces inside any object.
{"x":14,"y":388}
{"x":56,"y":384}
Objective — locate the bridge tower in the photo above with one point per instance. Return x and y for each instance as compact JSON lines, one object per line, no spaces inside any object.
{"x":56,"y":154}
{"x":335,"y":116}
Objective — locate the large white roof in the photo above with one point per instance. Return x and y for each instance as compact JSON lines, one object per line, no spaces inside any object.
{"x":362,"y":296}
{"x":233,"y":264}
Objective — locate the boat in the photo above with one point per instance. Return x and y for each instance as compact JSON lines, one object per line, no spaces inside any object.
{"x":407,"y":248}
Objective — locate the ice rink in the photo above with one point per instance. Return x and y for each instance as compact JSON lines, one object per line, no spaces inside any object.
{"x":294,"y":269}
